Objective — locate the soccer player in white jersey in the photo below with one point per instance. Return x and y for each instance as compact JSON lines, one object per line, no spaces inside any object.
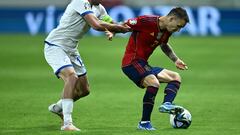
{"x":62,"y":54}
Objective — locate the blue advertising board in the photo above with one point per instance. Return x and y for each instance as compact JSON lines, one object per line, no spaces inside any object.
{"x":205,"y":20}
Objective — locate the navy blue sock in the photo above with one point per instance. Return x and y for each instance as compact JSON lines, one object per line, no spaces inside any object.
{"x":148,"y":102}
{"x":171,"y":91}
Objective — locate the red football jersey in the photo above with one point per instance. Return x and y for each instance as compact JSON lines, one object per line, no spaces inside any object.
{"x":146,"y":36}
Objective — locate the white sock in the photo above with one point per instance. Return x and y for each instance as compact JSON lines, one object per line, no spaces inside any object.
{"x":67,"y":106}
{"x":59,"y":103}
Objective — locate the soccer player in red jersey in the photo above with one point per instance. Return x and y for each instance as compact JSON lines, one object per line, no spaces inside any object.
{"x":149,"y":32}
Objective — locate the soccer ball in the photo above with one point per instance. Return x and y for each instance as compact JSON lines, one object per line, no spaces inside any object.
{"x":181,"y":120}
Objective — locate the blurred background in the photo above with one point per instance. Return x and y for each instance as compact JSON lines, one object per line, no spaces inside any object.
{"x":207,"y":17}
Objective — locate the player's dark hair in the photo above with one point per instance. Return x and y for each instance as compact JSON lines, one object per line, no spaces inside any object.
{"x":180,"y":13}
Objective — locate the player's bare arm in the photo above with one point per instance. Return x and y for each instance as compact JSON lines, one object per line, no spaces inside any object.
{"x":111,"y":34}
{"x":108,"y":19}
{"x":167,"y":49}
{"x":98,"y":25}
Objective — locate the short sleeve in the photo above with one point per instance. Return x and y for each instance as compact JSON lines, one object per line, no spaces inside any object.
{"x":83,"y":7}
{"x":103,"y":11}
{"x":143,"y":23}
{"x":134,"y":23}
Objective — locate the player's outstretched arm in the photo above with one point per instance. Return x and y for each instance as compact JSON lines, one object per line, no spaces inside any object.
{"x":108,"y":19}
{"x":111,"y":34}
{"x":98,"y":25}
{"x":167,"y":49}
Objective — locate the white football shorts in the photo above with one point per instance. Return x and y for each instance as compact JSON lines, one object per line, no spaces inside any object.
{"x":58,"y":59}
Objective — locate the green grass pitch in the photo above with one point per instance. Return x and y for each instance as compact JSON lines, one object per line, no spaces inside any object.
{"x":210,"y":88}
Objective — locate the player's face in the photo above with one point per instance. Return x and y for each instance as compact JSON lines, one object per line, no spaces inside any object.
{"x":175,"y":24}
{"x":95,"y":2}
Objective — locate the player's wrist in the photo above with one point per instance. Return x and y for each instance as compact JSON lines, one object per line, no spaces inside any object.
{"x":175,"y":59}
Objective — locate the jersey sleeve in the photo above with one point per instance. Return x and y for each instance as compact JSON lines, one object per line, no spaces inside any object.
{"x":82,"y":7}
{"x":143,"y":23}
{"x":103,"y":11}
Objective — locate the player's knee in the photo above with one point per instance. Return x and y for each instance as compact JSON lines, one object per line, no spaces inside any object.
{"x":176,"y":77}
{"x":154,"y":83}
{"x":151,"y":81}
{"x":72,"y":78}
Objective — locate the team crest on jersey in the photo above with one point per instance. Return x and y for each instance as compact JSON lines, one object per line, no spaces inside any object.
{"x":133,"y":21}
{"x":87,"y":5}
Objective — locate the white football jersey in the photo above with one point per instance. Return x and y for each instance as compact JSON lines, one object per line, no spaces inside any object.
{"x":72,"y":25}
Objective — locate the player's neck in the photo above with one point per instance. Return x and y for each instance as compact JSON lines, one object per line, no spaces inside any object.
{"x":161,"y":23}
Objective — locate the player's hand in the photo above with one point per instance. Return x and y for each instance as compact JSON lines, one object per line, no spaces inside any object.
{"x":109,"y":34}
{"x":125,"y":28}
{"x":181,"y":65}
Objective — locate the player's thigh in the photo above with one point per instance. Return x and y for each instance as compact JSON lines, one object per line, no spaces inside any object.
{"x":59,"y":60}
{"x":80,"y":69}
{"x":68,"y":73}
{"x":168,"y":76}
{"x":150,"y":80}
{"x":77,"y":63}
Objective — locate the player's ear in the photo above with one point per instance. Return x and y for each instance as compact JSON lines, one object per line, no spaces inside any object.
{"x":171,"y":18}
